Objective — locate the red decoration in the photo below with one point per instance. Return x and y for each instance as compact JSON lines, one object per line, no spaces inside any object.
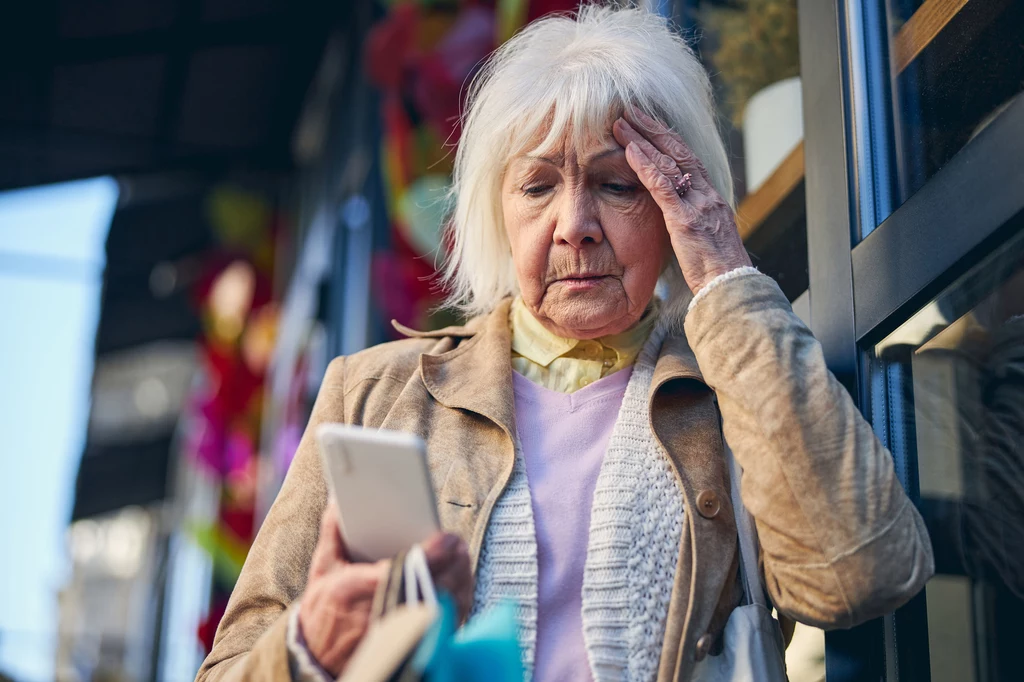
{"x":389,"y":47}
{"x":208,"y":628}
{"x":539,"y":8}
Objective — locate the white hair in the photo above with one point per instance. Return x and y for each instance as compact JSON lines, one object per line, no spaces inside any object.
{"x":568,"y":75}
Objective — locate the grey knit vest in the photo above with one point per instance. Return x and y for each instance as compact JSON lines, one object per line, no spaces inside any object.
{"x":636,"y":523}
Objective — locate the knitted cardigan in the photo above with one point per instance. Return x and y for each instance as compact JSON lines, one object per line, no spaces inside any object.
{"x":636,"y":523}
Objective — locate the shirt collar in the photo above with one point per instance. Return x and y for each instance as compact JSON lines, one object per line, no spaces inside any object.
{"x":535,"y":343}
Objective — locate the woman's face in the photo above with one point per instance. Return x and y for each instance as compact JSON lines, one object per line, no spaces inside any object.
{"x":588,"y":242}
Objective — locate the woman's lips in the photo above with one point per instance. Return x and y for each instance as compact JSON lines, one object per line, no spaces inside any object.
{"x":583,"y":283}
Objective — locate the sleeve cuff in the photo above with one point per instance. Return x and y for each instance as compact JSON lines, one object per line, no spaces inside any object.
{"x":724,"y":277}
{"x":304,"y":667}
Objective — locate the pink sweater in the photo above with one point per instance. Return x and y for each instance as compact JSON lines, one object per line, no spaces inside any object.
{"x":563,"y":439}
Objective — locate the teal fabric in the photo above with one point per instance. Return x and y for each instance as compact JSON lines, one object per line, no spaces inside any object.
{"x":486,"y":649}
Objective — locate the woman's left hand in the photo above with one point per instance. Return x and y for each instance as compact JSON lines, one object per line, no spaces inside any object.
{"x":700,"y":223}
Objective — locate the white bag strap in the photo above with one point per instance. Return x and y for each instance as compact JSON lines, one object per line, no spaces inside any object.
{"x":747,"y":537}
{"x":417,"y":577}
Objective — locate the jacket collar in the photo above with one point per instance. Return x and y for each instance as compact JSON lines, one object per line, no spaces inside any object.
{"x":476,"y":375}
{"x":675,"y":361}
{"x":455,"y":330}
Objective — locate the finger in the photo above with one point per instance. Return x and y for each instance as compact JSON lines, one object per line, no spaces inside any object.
{"x":464,"y":600}
{"x":458,"y":581}
{"x":462,"y":593}
{"x":330,"y":549}
{"x":455,"y":567}
{"x":667,"y":164}
{"x":451,"y":568}
{"x":354,"y":585}
{"x":625,"y":133}
{"x":668,"y":142}
{"x":440,"y":549}
{"x":657,"y":183}
{"x":661,"y":188}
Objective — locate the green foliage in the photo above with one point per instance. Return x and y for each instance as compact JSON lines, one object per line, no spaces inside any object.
{"x":758,"y":45}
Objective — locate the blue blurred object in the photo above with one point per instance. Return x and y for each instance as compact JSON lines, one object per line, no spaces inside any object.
{"x":486,"y":649}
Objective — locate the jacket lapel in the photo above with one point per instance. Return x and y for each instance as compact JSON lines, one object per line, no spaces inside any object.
{"x":477,"y":374}
{"x":474,"y":380}
{"x":685,"y":420}
{"x":676,"y":361}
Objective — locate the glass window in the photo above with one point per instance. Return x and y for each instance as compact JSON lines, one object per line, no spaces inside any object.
{"x":956,"y":65}
{"x":751,"y":50}
{"x":947,"y":396}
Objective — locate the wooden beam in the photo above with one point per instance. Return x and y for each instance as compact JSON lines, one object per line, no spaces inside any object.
{"x":756,"y":207}
{"x":915,"y":35}
{"x":920,"y":30}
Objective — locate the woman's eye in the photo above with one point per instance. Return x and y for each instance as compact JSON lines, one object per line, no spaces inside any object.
{"x":536,"y":190}
{"x":619,"y":188}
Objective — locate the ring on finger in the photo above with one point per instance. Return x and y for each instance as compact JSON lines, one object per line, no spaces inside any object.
{"x":683,"y":184}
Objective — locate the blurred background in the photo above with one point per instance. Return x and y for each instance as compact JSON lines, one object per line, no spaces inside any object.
{"x":204,"y":201}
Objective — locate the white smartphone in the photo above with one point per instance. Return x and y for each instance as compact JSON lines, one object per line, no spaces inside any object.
{"x":381,"y":484}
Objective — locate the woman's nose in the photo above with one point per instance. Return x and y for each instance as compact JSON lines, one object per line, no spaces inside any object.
{"x":578,"y":223}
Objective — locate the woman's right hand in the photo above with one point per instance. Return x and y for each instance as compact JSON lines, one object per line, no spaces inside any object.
{"x":335,"y":608}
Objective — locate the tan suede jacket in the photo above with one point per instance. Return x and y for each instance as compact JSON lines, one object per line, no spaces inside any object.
{"x":840,"y":541}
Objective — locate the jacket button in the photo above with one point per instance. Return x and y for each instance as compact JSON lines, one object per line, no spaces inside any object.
{"x":708,"y":504}
{"x":703,"y":646}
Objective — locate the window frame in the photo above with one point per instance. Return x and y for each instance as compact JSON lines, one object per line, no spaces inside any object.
{"x":861,"y":291}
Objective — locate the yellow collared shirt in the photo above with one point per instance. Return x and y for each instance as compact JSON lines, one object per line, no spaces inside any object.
{"x":566,"y":365}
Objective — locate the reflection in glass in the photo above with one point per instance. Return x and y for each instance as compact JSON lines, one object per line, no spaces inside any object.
{"x":956,"y":65}
{"x":947,"y":392}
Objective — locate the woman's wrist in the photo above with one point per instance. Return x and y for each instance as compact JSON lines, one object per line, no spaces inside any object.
{"x":704,"y":254}
{"x":305,"y":667}
{"x":721,"y":278}
{"x":712,"y":276}
{"x":701,"y":274}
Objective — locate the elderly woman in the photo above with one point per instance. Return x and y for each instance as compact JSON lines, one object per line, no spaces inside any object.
{"x":575,"y":426}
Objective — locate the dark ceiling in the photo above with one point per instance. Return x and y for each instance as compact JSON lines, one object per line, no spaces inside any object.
{"x":91,"y":87}
{"x":141,"y":327}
